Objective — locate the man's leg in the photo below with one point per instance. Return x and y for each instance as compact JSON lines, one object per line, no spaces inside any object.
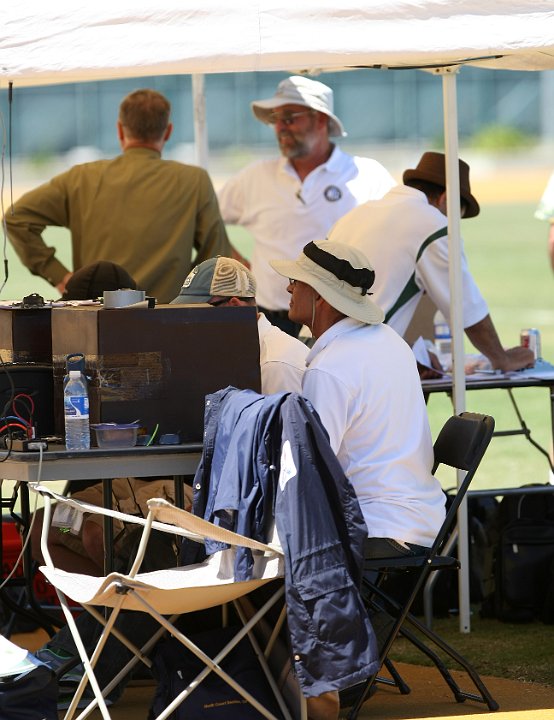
{"x":323,"y":707}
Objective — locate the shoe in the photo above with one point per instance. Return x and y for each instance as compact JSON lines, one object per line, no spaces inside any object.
{"x":69,"y":673}
{"x":68,"y":669}
{"x":65,"y":700}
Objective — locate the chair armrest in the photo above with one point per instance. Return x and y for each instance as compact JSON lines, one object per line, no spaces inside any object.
{"x":168,"y":513}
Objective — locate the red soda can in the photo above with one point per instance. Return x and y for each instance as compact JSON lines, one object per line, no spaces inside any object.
{"x":531,"y":338}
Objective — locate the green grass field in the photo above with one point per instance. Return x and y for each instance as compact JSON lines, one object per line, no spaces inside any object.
{"x":506,"y":249}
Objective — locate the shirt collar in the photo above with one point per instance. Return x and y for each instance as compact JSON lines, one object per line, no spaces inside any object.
{"x":333,"y":164}
{"x":142,"y":151}
{"x":264,"y":326}
{"x":340,"y":328}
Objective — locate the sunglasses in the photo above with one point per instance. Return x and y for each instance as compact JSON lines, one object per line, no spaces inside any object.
{"x":287,"y":119}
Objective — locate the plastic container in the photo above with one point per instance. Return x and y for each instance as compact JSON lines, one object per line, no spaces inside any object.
{"x":76,"y":412}
{"x":443,"y":340}
{"x":116,"y":435}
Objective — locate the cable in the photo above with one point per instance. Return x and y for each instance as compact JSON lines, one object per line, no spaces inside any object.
{"x":2,"y":179}
{"x":153,"y":435}
{"x":31,"y":524}
{"x":30,"y":408}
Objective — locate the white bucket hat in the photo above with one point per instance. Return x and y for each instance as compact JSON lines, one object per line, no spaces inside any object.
{"x":341,"y":274}
{"x":299,"y":90}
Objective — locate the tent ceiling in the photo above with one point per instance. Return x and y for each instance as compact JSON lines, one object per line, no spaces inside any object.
{"x":42,"y":43}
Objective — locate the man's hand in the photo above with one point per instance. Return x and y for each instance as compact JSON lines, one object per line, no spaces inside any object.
{"x":430,"y":373}
{"x":60,"y":287}
{"x":516,"y":358}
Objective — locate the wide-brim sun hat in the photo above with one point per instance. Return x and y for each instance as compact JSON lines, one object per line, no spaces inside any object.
{"x":299,"y":90}
{"x":341,"y":274}
{"x":432,"y":168}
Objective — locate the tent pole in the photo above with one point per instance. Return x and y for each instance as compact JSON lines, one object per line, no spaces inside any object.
{"x":450,"y":110}
{"x":200,"y":125}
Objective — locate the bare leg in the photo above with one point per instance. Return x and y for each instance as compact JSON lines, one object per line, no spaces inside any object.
{"x":324,"y":707}
{"x":64,"y":557}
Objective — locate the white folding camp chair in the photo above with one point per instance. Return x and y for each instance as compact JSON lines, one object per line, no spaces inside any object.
{"x":171,"y":592}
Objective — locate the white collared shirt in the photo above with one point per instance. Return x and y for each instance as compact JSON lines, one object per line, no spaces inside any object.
{"x":284,"y":214}
{"x":363,"y":382}
{"x":390,"y":232}
{"x":282,"y":359}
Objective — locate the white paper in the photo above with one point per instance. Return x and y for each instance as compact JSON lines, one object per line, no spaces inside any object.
{"x":13,"y":659}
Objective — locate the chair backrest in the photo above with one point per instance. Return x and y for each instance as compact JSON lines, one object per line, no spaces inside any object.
{"x":461,"y":444}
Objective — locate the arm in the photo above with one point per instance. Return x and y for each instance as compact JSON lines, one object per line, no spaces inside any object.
{"x":485,"y":338}
{"x":210,"y":237}
{"x":46,"y":205}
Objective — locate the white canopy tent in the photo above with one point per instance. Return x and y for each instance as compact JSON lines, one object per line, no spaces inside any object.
{"x":63,"y":42}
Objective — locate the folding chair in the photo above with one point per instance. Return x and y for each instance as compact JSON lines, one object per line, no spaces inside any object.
{"x":171,"y":592}
{"x":461,"y":444}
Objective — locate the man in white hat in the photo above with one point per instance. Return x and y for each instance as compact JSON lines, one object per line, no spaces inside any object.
{"x":286,"y":202}
{"x":225,"y":281}
{"x":362,"y":379}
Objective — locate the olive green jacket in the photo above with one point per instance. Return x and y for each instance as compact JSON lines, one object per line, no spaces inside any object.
{"x":137,"y":210}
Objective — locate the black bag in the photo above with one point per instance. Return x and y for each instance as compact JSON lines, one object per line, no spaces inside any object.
{"x":524,"y":559}
{"x":483,"y":536}
{"x":31,"y":695}
{"x":175,"y":667}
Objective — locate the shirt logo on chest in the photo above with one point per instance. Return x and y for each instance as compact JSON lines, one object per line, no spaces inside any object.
{"x":332,"y":193}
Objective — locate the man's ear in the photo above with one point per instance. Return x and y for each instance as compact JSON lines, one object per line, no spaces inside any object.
{"x":168,"y":132}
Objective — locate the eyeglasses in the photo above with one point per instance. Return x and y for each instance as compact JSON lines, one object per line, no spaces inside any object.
{"x":214,"y":303}
{"x":287,"y":119}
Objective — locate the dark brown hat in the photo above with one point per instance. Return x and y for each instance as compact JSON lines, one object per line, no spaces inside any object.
{"x":90,"y":281}
{"x":432,"y":168}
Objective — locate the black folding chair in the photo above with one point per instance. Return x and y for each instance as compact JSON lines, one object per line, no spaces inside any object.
{"x":461,"y":443}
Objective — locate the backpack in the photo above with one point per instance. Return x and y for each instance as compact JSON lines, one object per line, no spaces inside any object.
{"x":31,"y":694}
{"x":524,"y":560}
{"x":175,"y":667}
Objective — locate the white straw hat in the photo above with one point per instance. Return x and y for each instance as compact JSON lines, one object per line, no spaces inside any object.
{"x":341,"y":274}
{"x":299,"y":90}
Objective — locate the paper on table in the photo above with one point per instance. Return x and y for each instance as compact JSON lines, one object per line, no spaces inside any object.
{"x":13,"y":659}
{"x":419,"y":348}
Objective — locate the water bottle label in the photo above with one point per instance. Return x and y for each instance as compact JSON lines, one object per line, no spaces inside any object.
{"x":76,"y":406}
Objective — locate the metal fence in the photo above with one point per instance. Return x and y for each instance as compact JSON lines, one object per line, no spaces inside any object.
{"x":376,"y":106}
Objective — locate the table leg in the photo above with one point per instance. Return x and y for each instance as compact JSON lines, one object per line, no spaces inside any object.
{"x":108,"y":527}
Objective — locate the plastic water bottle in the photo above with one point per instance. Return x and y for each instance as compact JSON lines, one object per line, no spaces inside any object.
{"x":75,"y":361}
{"x":443,"y":340}
{"x":76,"y":412}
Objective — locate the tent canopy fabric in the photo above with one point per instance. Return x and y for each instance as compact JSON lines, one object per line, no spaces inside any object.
{"x":58,"y":42}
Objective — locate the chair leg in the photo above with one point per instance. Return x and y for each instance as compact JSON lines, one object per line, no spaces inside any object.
{"x":460,"y":695}
{"x":404,"y":617}
{"x":212,"y":665}
{"x":397,"y":680}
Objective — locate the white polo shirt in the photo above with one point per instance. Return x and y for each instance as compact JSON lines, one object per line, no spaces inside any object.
{"x":282,"y":359}
{"x":363,"y":382}
{"x":391,"y":231}
{"x":284,"y":214}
